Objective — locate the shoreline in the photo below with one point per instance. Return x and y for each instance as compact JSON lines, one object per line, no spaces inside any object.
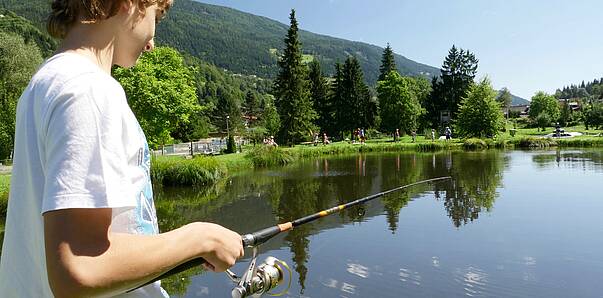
{"x":203,"y":171}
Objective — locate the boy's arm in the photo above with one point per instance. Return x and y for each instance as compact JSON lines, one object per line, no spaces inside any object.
{"x":85,"y":259}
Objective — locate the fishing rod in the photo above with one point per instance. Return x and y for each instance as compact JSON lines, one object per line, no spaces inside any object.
{"x":268,"y":275}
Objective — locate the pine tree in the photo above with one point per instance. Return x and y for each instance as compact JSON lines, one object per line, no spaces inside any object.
{"x":457,"y":74}
{"x":388,"y":63}
{"x":228,"y":112}
{"x":320,"y":98}
{"x":338,"y":103}
{"x":252,"y":107}
{"x":356,"y":109}
{"x":292,"y":91}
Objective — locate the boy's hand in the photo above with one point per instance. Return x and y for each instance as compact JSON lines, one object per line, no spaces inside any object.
{"x":219,"y":246}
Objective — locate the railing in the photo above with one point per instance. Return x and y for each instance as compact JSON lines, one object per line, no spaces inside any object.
{"x":212,"y":146}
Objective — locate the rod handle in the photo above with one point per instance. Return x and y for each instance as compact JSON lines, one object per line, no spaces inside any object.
{"x":188,"y":265}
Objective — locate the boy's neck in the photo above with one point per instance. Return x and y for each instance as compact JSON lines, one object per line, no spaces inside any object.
{"x":93,"y":41}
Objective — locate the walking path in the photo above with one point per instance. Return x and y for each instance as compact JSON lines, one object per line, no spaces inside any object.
{"x":5,"y":169}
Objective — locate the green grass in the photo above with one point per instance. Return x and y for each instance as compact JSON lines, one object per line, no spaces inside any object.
{"x":4,"y":187}
{"x":266,"y":156}
{"x":207,"y":170}
{"x":475,"y":144}
{"x":172,"y":171}
{"x":532,"y":138}
{"x":379,"y":145}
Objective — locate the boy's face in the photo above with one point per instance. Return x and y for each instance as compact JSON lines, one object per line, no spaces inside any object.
{"x":137,"y":34}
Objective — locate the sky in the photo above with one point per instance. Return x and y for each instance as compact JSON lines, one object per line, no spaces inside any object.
{"x":524,"y":45}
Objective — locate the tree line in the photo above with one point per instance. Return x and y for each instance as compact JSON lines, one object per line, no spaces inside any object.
{"x":309,"y":103}
{"x":179,"y":97}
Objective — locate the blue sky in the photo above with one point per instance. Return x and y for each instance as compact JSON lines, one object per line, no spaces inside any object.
{"x":524,"y":45}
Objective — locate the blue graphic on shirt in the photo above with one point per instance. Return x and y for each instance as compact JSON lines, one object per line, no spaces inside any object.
{"x":146,"y":218}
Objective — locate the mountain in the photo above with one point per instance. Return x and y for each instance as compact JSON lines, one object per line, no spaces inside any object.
{"x":244,"y":43}
{"x":519,"y":101}
{"x":516,"y":100}
{"x":12,"y":23}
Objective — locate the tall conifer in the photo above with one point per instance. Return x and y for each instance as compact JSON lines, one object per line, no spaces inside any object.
{"x":320,"y":98}
{"x":457,"y":74}
{"x":292,"y":91}
{"x":387,"y":62}
{"x":356,"y":108}
{"x":338,"y":100}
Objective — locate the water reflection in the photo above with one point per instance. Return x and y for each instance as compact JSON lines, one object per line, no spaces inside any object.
{"x":264,"y":198}
{"x":476,"y":176}
{"x":585,"y":160}
{"x":257,"y":200}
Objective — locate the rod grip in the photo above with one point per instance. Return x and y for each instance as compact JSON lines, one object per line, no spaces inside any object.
{"x":185,"y":266}
{"x":260,"y":236}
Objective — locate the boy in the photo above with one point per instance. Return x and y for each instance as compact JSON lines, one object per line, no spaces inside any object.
{"x":81,"y":219}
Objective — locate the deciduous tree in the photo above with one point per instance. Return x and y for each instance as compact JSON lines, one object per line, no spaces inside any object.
{"x":480,"y":114}
{"x":18,"y":62}
{"x":399,"y":103}
{"x":161,"y":92}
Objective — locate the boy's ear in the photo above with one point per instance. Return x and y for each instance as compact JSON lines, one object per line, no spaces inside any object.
{"x":126,"y":6}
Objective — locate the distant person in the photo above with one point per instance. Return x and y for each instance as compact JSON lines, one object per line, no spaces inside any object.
{"x":325,"y":139}
{"x":414,"y":136}
{"x":432,"y":134}
{"x":272,"y":142}
{"x":81,"y":220}
{"x":448,"y":133}
{"x":397,"y":135}
{"x":362,"y":136}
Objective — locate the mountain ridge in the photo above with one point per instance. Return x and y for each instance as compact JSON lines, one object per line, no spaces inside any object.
{"x":242,"y":42}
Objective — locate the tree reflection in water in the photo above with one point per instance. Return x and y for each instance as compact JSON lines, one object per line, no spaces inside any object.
{"x":265,"y":198}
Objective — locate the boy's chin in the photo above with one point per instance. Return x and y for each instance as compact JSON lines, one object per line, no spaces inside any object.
{"x":127,"y":64}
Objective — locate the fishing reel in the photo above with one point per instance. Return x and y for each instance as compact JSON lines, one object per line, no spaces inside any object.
{"x":260,"y":280}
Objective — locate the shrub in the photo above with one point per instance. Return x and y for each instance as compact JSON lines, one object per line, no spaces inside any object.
{"x":475,"y":144}
{"x":172,"y":171}
{"x":265,"y":156}
{"x":231,"y":146}
{"x":535,"y":143}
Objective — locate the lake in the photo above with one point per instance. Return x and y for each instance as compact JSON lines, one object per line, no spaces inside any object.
{"x":508,"y":224}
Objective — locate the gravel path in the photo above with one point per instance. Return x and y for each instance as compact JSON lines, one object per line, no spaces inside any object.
{"x":5,"y":169}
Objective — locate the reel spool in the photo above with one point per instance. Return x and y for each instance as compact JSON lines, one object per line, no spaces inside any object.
{"x":260,"y":280}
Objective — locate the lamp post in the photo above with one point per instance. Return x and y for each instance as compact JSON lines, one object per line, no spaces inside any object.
{"x":227,"y":130}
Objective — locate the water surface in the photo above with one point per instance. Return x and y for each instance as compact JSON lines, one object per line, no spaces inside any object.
{"x":509,"y":224}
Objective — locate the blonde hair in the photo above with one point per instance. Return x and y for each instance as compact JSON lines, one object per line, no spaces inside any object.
{"x":66,"y":13}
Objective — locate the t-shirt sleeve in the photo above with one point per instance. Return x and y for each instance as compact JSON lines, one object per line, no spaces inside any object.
{"x":84,"y":158}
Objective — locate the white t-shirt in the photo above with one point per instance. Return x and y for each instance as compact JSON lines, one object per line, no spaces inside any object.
{"x":77,"y":145}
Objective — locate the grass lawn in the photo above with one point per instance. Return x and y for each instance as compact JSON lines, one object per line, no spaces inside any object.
{"x":4,"y":187}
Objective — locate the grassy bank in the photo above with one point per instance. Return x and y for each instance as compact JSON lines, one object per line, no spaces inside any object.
{"x":207,"y":170}
{"x":171,"y":171}
{"x":4,"y":187}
